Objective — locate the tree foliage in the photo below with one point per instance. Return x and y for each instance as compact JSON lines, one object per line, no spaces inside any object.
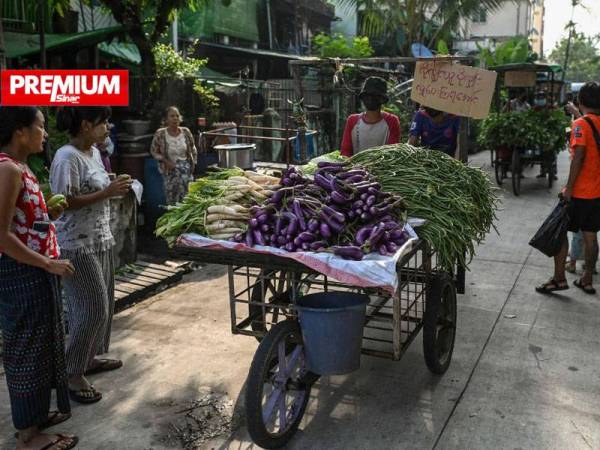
{"x":515,"y":50}
{"x":403,"y":22}
{"x":338,"y":46}
{"x":584,"y":58}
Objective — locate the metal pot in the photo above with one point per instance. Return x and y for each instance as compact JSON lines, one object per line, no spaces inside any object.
{"x":137,"y":127}
{"x":236,"y":155}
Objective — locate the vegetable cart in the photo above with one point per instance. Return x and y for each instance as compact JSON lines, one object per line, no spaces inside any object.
{"x":514,"y":158}
{"x":263,"y":291}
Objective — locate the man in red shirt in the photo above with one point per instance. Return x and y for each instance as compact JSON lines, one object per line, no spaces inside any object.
{"x":582,"y":191}
{"x":374,"y":127}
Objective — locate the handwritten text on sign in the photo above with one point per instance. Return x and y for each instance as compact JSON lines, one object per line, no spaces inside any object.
{"x":453,"y":88}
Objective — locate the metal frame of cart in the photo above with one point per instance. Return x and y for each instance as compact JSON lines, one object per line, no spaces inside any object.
{"x":263,"y":290}
{"x":516,"y":158}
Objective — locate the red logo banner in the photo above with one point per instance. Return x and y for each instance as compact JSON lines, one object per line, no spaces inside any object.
{"x":64,"y":88}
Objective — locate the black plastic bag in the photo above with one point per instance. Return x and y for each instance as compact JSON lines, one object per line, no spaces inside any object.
{"x":551,"y":236}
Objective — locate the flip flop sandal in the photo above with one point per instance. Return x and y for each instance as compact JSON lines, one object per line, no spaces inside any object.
{"x":62,"y":438}
{"x":552,"y":286}
{"x":587,"y":288}
{"x":54,"y":418}
{"x":79,"y":396}
{"x":105,"y":365}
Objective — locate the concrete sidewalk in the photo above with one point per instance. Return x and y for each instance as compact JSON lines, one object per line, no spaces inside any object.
{"x":525,"y":372}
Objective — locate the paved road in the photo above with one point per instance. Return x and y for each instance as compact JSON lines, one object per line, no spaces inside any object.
{"x":525,"y":373}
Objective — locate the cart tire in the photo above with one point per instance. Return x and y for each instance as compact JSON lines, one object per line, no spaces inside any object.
{"x":288,"y":393}
{"x":516,"y":172}
{"x":439,"y":323}
{"x":498,"y":169}
{"x":275,"y":294}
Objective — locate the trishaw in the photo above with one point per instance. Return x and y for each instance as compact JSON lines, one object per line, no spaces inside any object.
{"x":513,"y":159}
{"x":263,"y":291}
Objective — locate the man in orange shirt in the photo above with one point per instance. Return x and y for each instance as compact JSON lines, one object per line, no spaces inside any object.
{"x":582,"y":191}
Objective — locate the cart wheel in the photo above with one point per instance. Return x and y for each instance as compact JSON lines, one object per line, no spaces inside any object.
{"x":276,"y":292}
{"x":499,"y":169}
{"x":439,"y":323}
{"x":278,"y":387}
{"x":516,"y":172}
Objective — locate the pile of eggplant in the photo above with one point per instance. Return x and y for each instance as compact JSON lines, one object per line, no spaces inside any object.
{"x":341,"y":210}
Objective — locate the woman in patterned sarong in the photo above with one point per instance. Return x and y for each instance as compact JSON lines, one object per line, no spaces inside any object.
{"x":30,"y":301}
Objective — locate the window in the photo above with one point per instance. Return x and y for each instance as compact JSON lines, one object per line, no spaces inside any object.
{"x":480,"y":15}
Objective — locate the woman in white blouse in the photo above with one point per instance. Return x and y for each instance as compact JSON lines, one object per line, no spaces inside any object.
{"x":174,"y":149}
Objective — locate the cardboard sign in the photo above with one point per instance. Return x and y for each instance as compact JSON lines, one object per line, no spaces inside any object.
{"x":520,"y":79}
{"x":454,"y":88}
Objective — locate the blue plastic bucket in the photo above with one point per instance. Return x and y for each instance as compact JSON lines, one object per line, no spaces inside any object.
{"x":332,"y":328}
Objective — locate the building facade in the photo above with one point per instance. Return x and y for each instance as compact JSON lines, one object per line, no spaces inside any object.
{"x":514,"y":18}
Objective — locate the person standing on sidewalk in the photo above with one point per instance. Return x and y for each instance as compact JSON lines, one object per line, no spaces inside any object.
{"x":374,"y":127}
{"x":30,"y":302}
{"x":85,"y":238}
{"x":174,"y":149}
{"x":582,"y":191}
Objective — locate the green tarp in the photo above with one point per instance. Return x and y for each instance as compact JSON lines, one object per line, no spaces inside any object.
{"x":238,"y":20}
{"x":22,"y":44}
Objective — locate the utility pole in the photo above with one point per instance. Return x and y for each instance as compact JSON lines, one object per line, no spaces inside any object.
{"x":570,"y":40}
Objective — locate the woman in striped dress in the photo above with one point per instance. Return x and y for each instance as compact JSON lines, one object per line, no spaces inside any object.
{"x":30,"y":301}
{"x":85,"y":238}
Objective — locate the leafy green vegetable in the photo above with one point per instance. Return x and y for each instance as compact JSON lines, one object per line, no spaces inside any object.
{"x":532,"y":129}
{"x":457,"y":201}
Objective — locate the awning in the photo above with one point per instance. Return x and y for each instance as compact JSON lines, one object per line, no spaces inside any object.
{"x":23,"y":44}
{"x":255,"y":51}
{"x":528,"y":67}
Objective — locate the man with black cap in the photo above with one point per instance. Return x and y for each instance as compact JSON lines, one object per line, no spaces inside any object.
{"x":374,"y":127}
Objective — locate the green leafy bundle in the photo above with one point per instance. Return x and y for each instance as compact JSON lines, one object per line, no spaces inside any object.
{"x":457,"y":201}
{"x":544,"y":130}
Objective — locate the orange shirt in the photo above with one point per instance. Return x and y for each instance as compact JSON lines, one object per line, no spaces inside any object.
{"x":587,"y":185}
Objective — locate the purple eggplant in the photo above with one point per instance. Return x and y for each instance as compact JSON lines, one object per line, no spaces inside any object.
{"x":307,"y":237}
{"x":278,"y":224}
{"x":290,"y":247}
{"x":363,"y":234}
{"x":265,"y":227}
{"x":365,"y":216}
{"x":299,"y":214}
{"x":364,"y":196}
{"x":350,"y":252}
{"x":281,"y":240}
{"x":315,"y":246}
{"x":249,"y":240}
{"x":352,"y":173}
{"x":334,"y":225}
{"x":330,"y":212}
{"x":391,"y":247}
{"x":371,"y":200}
{"x":355,"y":179}
{"x":340,"y":198}
{"x":313,"y":225}
{"x":253,"y":223}
{"x":324,"y":164}
{"x":373,"y":191}
{"x":325,"y":230}
{"x":396,"y":234}
{"x":322,"y":182}
{"x":383,"y":250}
{"x":258,"y":237}
{"x":262,"y":218}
